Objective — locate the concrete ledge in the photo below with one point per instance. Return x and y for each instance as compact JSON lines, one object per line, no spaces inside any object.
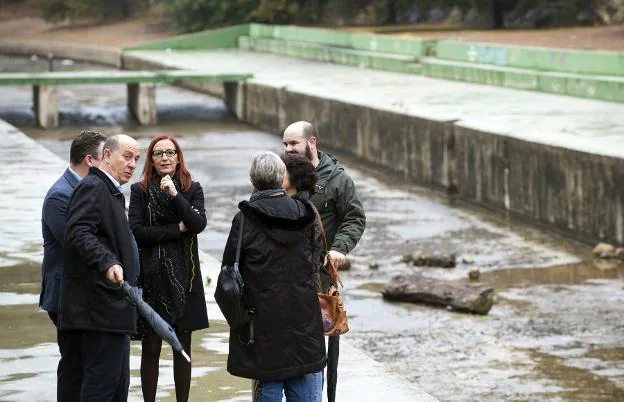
{"x":352,"y":40}
{"x":338,"y":55}
{"x":104,"y":55}
{"x":211,"y":39}
{"x":586,"y":86}
{"x":134,"y":62}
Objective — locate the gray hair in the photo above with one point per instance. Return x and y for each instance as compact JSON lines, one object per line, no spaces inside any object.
{"x":267,"y":171}
{"x":112,"y":142}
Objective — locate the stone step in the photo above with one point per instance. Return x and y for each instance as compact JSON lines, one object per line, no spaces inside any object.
{"x":571,"y":61}
{"x":339,"y":55}
{"x":597,"y":87}
{"x":416,"y":47}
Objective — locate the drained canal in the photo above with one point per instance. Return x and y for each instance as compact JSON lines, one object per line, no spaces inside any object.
{"x":554,"y":333}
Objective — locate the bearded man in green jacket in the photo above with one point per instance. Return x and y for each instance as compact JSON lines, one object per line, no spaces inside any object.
{"x":341,"y":212}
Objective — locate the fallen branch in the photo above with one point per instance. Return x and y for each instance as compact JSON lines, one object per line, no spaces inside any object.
{"x":417,"y":288}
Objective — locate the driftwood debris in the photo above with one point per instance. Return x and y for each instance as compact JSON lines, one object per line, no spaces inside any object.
{"x":463,"y":297}
{"x":608,"y":251}
{"x":421,"y":259}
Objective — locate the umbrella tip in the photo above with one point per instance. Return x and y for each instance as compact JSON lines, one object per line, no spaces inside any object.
{"x":183,"y":353}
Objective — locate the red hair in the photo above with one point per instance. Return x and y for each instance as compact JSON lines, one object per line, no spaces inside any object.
{"x":182,"y":173}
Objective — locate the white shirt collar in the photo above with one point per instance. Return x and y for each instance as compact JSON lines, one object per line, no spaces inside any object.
{"x":74,"y":173}
{"x":115,"y":182}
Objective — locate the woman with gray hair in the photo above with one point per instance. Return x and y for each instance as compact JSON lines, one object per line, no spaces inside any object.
{"x":288,"y":355}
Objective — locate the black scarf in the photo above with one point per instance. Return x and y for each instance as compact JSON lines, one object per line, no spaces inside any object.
{"x":169,"y":272}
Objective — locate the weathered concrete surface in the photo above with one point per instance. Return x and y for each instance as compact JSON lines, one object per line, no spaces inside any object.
{"x":29,"y":171}
{"x":142,"y":103}
{"x":508,"y":150}
{"x":109,"y":56}
{"x":29,"y":373}
{"x":46,"y":106}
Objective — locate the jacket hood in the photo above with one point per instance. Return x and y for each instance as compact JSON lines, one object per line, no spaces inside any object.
{"x":279,"y":211}
{"x":328,"y":165}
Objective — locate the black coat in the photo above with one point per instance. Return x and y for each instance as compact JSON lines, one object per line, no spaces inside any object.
{"x":190,"y":208}
{"x":97,"y":236}
{"x":276,"y":265}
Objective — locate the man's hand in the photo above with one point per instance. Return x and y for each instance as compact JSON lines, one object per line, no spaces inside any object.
{"x":115,"y":273}
{"x":182,"y":227}
{"x":336,"y":258}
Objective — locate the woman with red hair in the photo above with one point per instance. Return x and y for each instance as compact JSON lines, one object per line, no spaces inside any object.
{"x":166,"y":214}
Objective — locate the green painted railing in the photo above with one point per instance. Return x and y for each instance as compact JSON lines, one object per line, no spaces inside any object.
{"x":115,"y":77}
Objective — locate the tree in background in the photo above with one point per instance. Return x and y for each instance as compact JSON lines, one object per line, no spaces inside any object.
{"x":195,"y":15}
{"x":59,"y":10}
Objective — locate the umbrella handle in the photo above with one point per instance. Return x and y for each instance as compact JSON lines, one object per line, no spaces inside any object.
{"x":183,"y":353}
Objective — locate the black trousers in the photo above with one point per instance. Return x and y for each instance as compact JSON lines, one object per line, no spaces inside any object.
{"x":95,"y":366}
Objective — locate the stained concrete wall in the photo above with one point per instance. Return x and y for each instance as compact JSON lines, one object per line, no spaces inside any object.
{"x":95,"y":54}
{"x":566,"y":191}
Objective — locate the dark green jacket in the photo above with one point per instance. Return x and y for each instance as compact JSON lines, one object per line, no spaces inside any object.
{"x":338,"y":204}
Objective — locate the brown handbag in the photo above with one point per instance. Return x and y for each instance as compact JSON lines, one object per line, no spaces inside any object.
{"x":333,"y":313}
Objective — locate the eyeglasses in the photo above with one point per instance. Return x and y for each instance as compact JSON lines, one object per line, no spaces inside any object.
{"x":159,"y":153}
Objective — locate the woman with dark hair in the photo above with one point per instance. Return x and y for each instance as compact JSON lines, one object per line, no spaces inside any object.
{"x":299,"y":182}
{"x":166,"y":214}
{"x":300,"y":176}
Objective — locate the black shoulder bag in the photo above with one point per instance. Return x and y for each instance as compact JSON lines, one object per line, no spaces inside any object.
{"x":230,"y":290}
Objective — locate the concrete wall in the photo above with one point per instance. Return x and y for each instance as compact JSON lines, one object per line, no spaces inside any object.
{"x":574,"y":193}
{"x":211,"y":39}
{"x":95,"y":54}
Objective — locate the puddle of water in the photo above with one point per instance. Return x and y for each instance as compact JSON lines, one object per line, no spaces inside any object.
{"x":570,"y":274}
{"x":580,"y":384}
{"x":29,"y":368}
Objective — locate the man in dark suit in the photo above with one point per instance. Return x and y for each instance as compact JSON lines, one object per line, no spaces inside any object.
{"x":85,"y":151}
{"x":100,"y":253}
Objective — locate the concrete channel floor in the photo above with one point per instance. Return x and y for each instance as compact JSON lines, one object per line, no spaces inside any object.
{"x":29,"y":171}
{"x":581,"y":124}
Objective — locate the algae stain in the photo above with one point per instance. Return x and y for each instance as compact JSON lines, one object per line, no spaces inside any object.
{"x":211,"y":381}
{"x":579,"y":384}
{"x":25,"y":326}
{"x":21,"y":278}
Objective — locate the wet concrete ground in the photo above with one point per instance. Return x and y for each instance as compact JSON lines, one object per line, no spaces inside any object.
{"x":554,"y":333}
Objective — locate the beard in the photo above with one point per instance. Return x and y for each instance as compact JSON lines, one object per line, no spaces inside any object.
{"x":307,"y":154}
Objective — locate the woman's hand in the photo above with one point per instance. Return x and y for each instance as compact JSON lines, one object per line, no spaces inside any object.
{"x":167,"y":186}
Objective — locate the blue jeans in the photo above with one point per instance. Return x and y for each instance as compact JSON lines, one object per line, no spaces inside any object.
{"x":306,"y":388}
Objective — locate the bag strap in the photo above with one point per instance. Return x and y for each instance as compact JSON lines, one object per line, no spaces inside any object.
{"x":334,"y":278}
{"x":240,"y":239}
{"x":239,"y":278}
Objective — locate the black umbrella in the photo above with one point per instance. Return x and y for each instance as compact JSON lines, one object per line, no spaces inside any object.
{"x":160,"y":326}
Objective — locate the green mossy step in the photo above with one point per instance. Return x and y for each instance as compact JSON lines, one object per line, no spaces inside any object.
{"x":606,"y":88}
{"x":311,"y":51}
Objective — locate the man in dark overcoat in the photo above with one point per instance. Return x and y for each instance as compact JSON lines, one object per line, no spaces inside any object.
{"x":100,"y":253}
